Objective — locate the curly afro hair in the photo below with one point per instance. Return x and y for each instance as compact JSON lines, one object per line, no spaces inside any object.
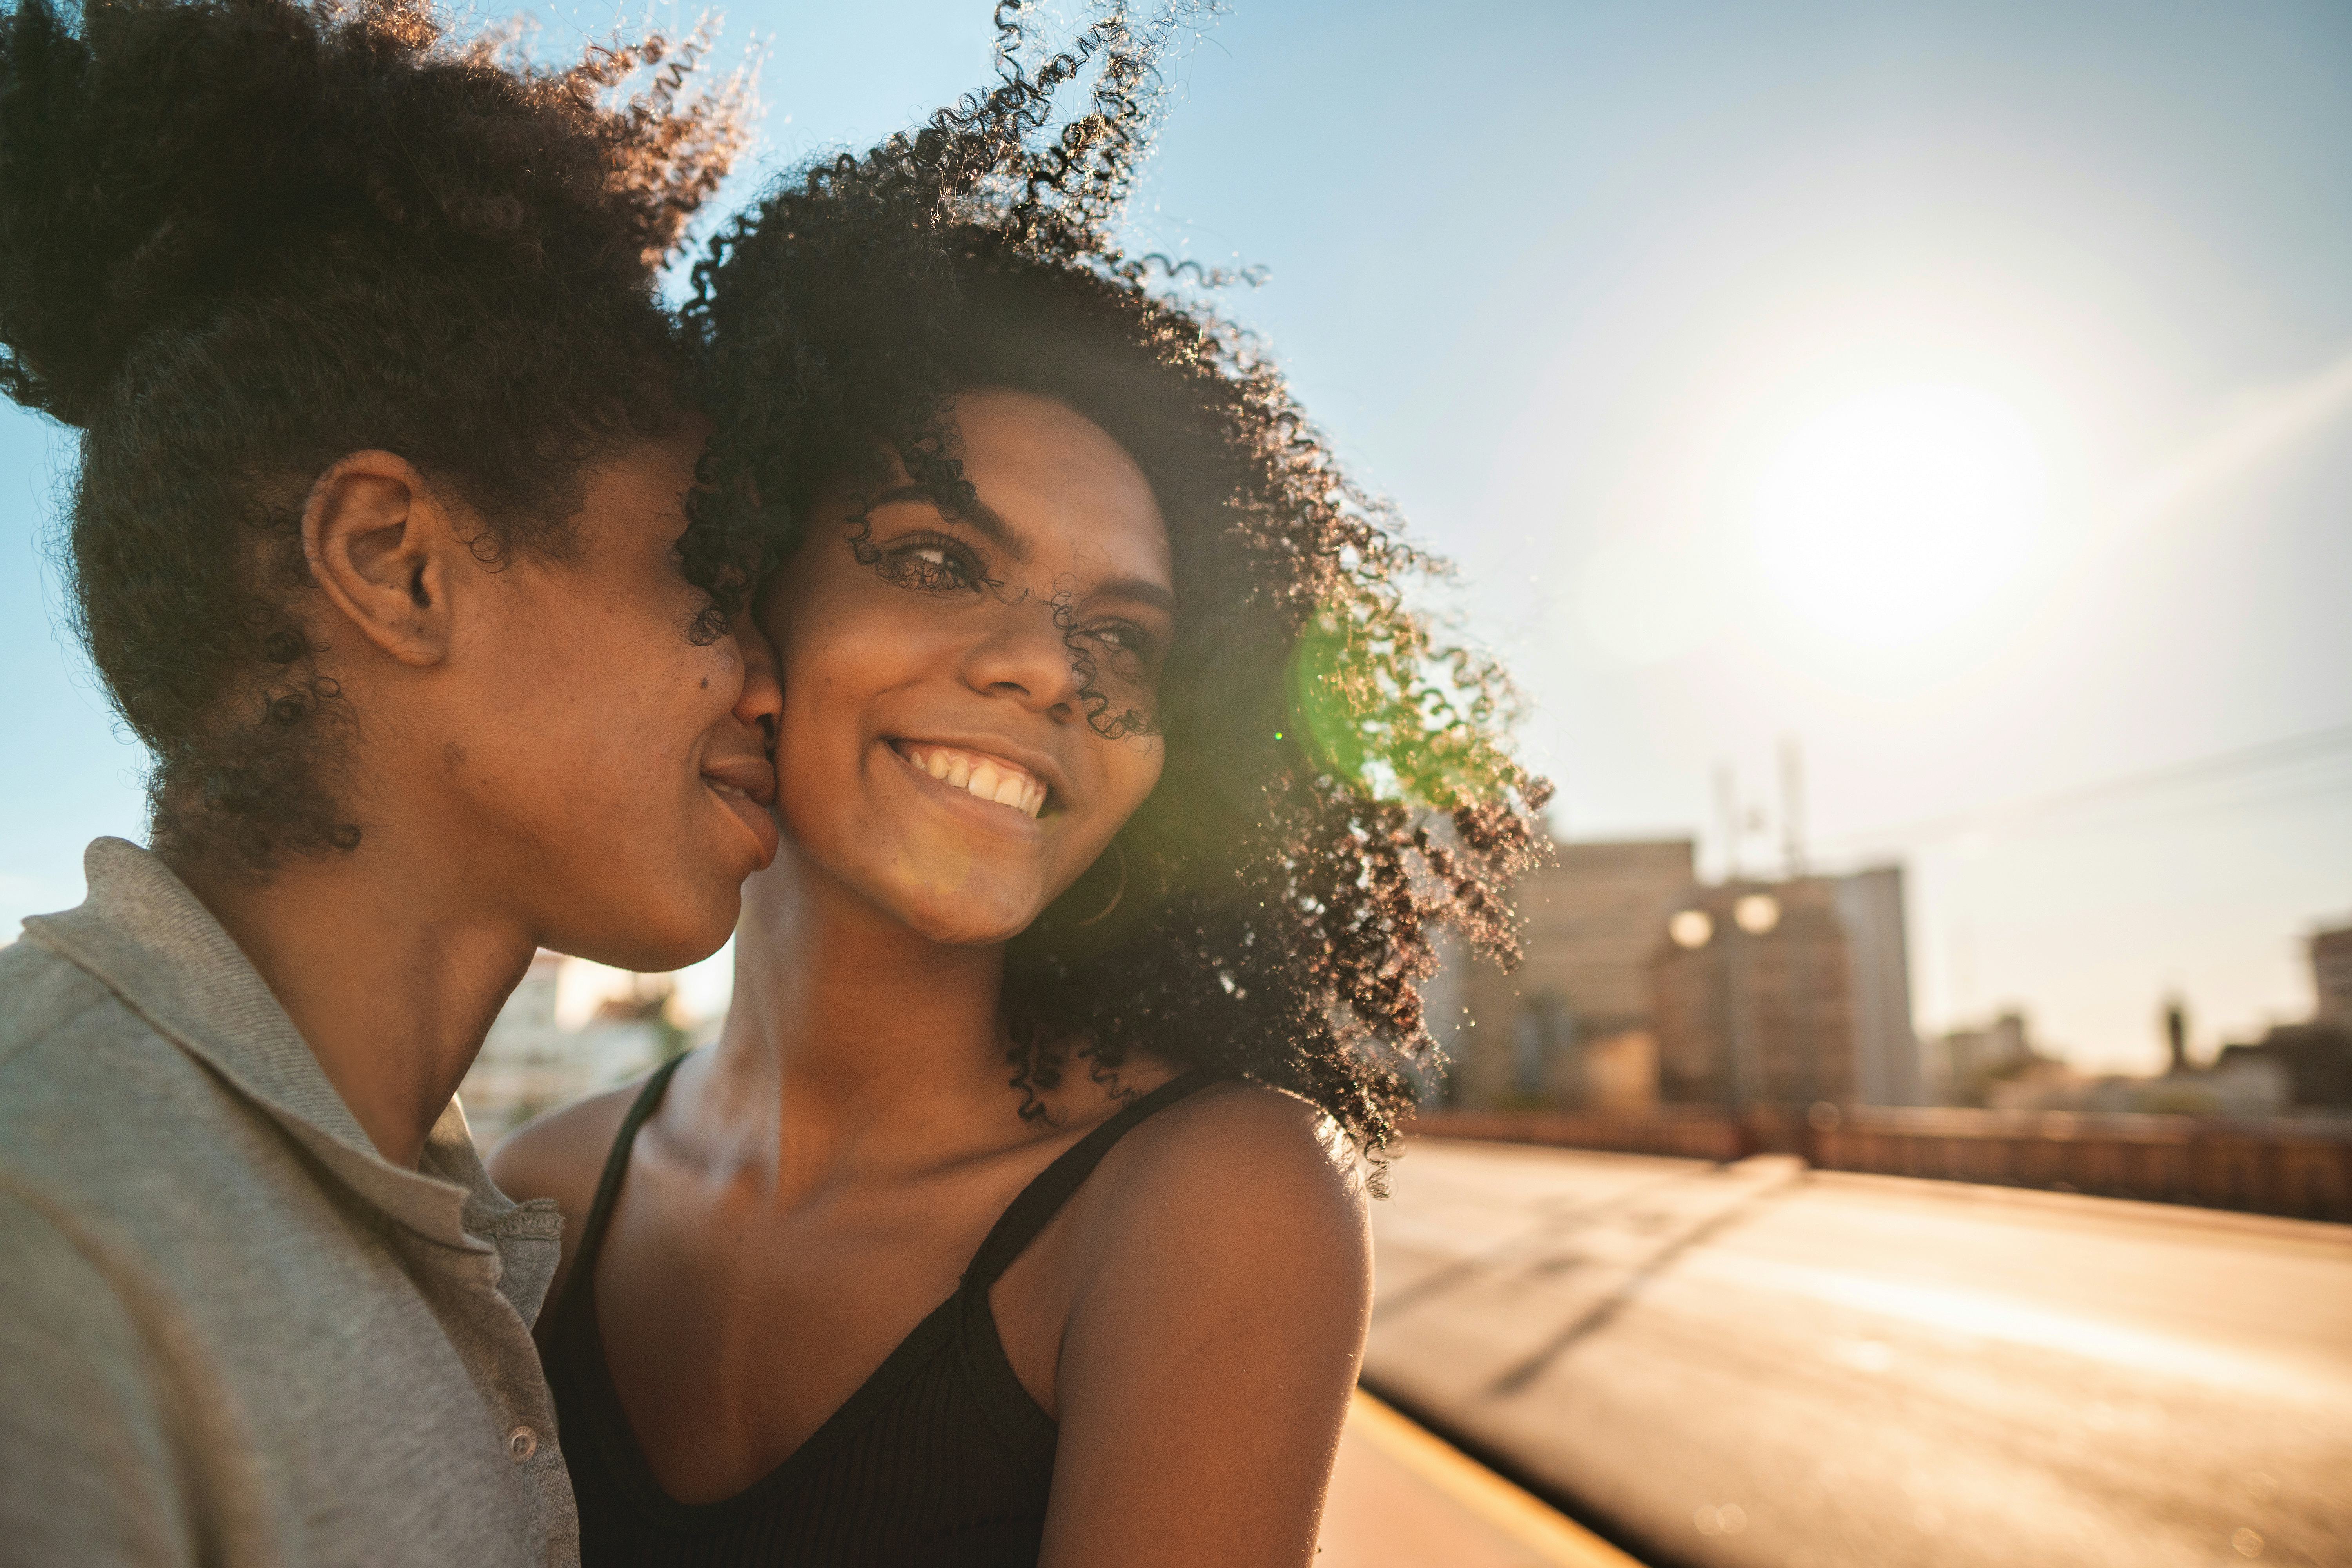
{"x":241,"y":238}
{"x":1337,"y":785}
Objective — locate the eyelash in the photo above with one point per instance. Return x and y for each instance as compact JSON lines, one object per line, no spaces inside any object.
{"x":961,"y":568}
{"x":904,"y":564}
{"x":1126,"y":637}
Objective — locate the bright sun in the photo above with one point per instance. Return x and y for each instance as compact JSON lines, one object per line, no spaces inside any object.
{"x":1895,"y":514}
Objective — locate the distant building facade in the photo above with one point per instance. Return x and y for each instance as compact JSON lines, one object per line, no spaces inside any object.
{"x":1575,"y":1024}
{"x":1969,"y":1062}
{"x":2312,"y":1060}
{"x":1787,"y":994}
{"x":2331,"y":977}
{"x":1886,"y":1043}
{"x":530,"y":1062}
{"x":2313,"y":1063}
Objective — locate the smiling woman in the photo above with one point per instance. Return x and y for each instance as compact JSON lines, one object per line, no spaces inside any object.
{"x":931,"y":650}
{"x":1012,"y":1219}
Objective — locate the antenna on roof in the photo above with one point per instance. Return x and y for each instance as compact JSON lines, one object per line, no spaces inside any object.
{"x":1727,"y":811}
{"x":1793,"y":805}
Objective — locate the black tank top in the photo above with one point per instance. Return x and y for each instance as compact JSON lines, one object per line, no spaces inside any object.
{"x":940,"y":1458}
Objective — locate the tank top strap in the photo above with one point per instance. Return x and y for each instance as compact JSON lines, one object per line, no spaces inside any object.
{"x":617,"y":1167}
{"x":1043,"y":1198}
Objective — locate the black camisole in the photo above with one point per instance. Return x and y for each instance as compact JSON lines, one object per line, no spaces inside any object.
{"x":940,"y":1457}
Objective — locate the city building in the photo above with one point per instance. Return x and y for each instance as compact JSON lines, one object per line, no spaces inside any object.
{"x":2313,"y":1060}
{"x":2331,"y":977}
{"x":2313,"y":1063}
{"x":1966,"y":1063}
{"x":1787,"y":994}
{"x":1886,"y":1043}
{"x":1574,"y":1025}
{"x":2243,"y":1088}
{"x":531,"y":1062}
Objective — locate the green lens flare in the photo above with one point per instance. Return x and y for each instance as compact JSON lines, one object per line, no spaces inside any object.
{"x":1378,"y":705}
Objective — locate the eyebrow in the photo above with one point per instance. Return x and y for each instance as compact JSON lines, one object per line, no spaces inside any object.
{"x":985,"y":519}
{"x":977,"y":512}
{"x":1142,"y":590}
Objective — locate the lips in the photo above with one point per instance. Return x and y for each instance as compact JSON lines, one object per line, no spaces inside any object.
{"x":980,"y":774}
{"x":747,"y":786}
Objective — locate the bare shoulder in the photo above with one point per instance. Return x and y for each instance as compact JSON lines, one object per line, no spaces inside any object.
{"x":1237,"y":1177}
{"x":561,"y":1155}
{"x":1220,"y":1293}
{"x":1243,"y":1130}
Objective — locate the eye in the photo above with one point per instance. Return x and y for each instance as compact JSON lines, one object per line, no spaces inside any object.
{"x":931,"y":564}
{"x":1126,"y":639}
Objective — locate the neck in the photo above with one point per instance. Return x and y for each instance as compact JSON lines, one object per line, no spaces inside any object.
{"x":860,"y":1029}
{"x":390,"y":965}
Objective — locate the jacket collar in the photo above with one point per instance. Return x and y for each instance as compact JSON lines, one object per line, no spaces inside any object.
{"x":151,"y":942}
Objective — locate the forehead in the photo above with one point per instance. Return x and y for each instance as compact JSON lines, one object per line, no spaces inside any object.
{"x":1059,"y":482}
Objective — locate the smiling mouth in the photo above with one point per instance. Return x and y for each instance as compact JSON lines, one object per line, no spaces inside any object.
{"x":992,"y":779}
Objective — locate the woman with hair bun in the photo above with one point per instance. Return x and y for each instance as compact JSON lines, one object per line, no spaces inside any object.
{"x":1012,"y":1219}
{"x":378,"y":539}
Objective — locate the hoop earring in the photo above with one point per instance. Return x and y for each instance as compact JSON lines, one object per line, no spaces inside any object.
{"x":1116,"y":893}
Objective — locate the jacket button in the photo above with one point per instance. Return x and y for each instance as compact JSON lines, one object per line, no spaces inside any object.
{"x":521,"y":1444}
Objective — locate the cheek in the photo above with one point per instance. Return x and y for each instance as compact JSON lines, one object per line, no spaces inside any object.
{"x":832,"y":671}
{"x":1132,"y":771}
{"x":837,"y":651}
{"x":820,"y":670}
{"x":617,"y":671}
{"x":816,"y":760}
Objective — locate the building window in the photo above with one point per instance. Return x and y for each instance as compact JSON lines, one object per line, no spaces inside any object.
{"x":1547,"y":1036}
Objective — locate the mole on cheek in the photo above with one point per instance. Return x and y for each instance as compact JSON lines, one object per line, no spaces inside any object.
{"x":706,"y":683}
{"x":453,"y":756}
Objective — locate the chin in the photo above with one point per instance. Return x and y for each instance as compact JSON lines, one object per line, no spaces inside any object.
{"x":657,"y":941}
{"x":968,"y":922}
{"x":967,"y":932}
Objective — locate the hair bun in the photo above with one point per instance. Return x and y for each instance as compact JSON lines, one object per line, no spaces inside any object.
{"x":164,"y":153}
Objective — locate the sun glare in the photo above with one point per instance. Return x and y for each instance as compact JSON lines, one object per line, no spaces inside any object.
{"x":1895,"y":514}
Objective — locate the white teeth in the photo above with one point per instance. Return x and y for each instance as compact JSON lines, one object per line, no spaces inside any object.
{"x":998,"y":783}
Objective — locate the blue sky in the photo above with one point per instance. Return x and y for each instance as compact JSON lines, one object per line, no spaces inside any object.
{"x":1962,"y":390}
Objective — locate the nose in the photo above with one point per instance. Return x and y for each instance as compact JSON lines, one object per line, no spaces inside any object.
{"x":760,"y":703}
{"x":1026,"y":657}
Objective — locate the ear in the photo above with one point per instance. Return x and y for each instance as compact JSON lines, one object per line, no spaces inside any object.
{"x":382,"y":550}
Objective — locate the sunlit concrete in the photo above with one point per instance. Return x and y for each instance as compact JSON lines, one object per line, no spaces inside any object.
{"x":1402,"y":1498}
{"x":1755,"y":1365}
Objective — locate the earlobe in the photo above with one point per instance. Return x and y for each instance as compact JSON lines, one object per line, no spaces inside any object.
{"x":377,"y":546}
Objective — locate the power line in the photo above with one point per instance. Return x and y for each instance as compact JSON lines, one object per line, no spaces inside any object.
{"x":2219,"y":766}
{"x":2265,"y":797}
